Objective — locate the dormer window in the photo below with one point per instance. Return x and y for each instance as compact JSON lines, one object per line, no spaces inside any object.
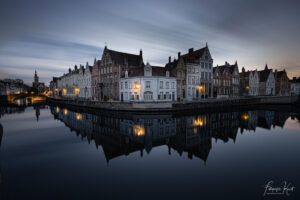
{"x":167,"y":73}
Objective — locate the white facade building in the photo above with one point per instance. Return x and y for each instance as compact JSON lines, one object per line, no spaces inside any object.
{"x":295,"y":86}
{"x":266,"y":82}
{"x":253,"y":83}
{"x":149,"y":83}
{"x":76,"y":83}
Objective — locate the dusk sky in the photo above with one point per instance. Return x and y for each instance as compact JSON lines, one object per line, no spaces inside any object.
{"x":51,"y":36}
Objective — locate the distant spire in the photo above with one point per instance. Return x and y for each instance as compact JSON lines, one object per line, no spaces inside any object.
{"x":94,"y":61}
{"x":206,"y":44}
{"x":266,"y":67}
{"x":105,"y":46}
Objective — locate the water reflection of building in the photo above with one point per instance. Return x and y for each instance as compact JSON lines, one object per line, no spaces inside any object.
{"x":225,"y":125}
{"x":139,"y":132}
{"x":1,"y":133}
{"x":248,"y":120}
{"x":280,"y":119}
{"x":265,"y":119}
{"x":9,"y":110}
{"x":193,"y":136}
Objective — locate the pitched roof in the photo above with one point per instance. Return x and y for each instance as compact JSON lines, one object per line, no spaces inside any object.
{"x":245,"y":74}
{"x":131,"y":59}
{"x":264,"y":74}
{"x":156,"y":71}
{"x":193,"y":56}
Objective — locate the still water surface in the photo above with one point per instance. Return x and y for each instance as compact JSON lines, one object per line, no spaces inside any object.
{"x":56,"y":153}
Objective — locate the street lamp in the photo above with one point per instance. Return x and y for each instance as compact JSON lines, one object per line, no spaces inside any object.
{"x":137,"y":86}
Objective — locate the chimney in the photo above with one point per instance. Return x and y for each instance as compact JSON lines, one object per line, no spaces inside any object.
{"x":226,"y":63}
{"x":178,"y":55}
{"x":75,"y":67}
{"x":141,"y":52}
{"x":191,"y":50}
{"x":169,"y":59}
{"x":70,"y":70}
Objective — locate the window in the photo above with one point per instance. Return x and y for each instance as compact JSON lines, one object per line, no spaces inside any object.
{"x":209,"y":76}
{"x":167,"y":85}
{"x":206,"y":65}
{"x":167,"y":95}
{"x":193,"y":80}
{"x":173,"y":85}
{"x":110,"y":69}
{"x":161,"y":84}
{"x":148,"y":95}
{"x":189,"y":79}
{"x":147,"y":84}
{"x":121,"y":85}
{"x":126,"y":85}
{"x":205,"y":75}
{"x":202,"y":65}
{"x":202,"y":75}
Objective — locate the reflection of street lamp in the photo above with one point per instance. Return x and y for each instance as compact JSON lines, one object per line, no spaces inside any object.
{"x":245,"y":116}
{"x":78,"y":116}
{"x":139,"y":130}
{"x":247,"y":87}
{"x":65,"y":111}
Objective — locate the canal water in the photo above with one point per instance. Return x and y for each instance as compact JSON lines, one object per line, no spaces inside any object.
{"x":58,"y":153}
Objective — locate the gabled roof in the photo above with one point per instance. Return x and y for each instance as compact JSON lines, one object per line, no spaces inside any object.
{"x":156,"y":71}
{"x":124,"y":58}
{"x":245,"y":74}
{"x":264,"y":74}
{"x":194,"y":56}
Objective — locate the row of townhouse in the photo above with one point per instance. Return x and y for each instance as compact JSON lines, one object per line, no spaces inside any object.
{"x":74,"y":84}
{"x":120,"y":76}
{"x":12,"y":86}
{"x":264,"y":82}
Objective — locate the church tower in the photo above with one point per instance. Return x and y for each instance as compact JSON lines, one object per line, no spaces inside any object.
{"x":36,"y":80}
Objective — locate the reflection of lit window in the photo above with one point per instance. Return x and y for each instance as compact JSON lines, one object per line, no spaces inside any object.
{"x":76,"y":91}
{"x":65,"y":111}
{"x":64,"y":91}
{"x":78,"y":116}
{"x":139,"y":130}
{"x":200,"y":121}
{"x":57,"y":109}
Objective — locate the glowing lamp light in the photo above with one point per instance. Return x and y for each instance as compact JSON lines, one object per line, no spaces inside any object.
{"x":78,"y":116}
{"x":64,"y":91}
{"x":201,"y":88}
{"x":77,"y":91}
{"x":245,"y":116}
{"x":200,"y":121}
{"x":137,"y":86}
{"x":247,"y":87}
{"x":139,"y":130}
{"x":57,"y":109}
{"x":65,"y":111}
